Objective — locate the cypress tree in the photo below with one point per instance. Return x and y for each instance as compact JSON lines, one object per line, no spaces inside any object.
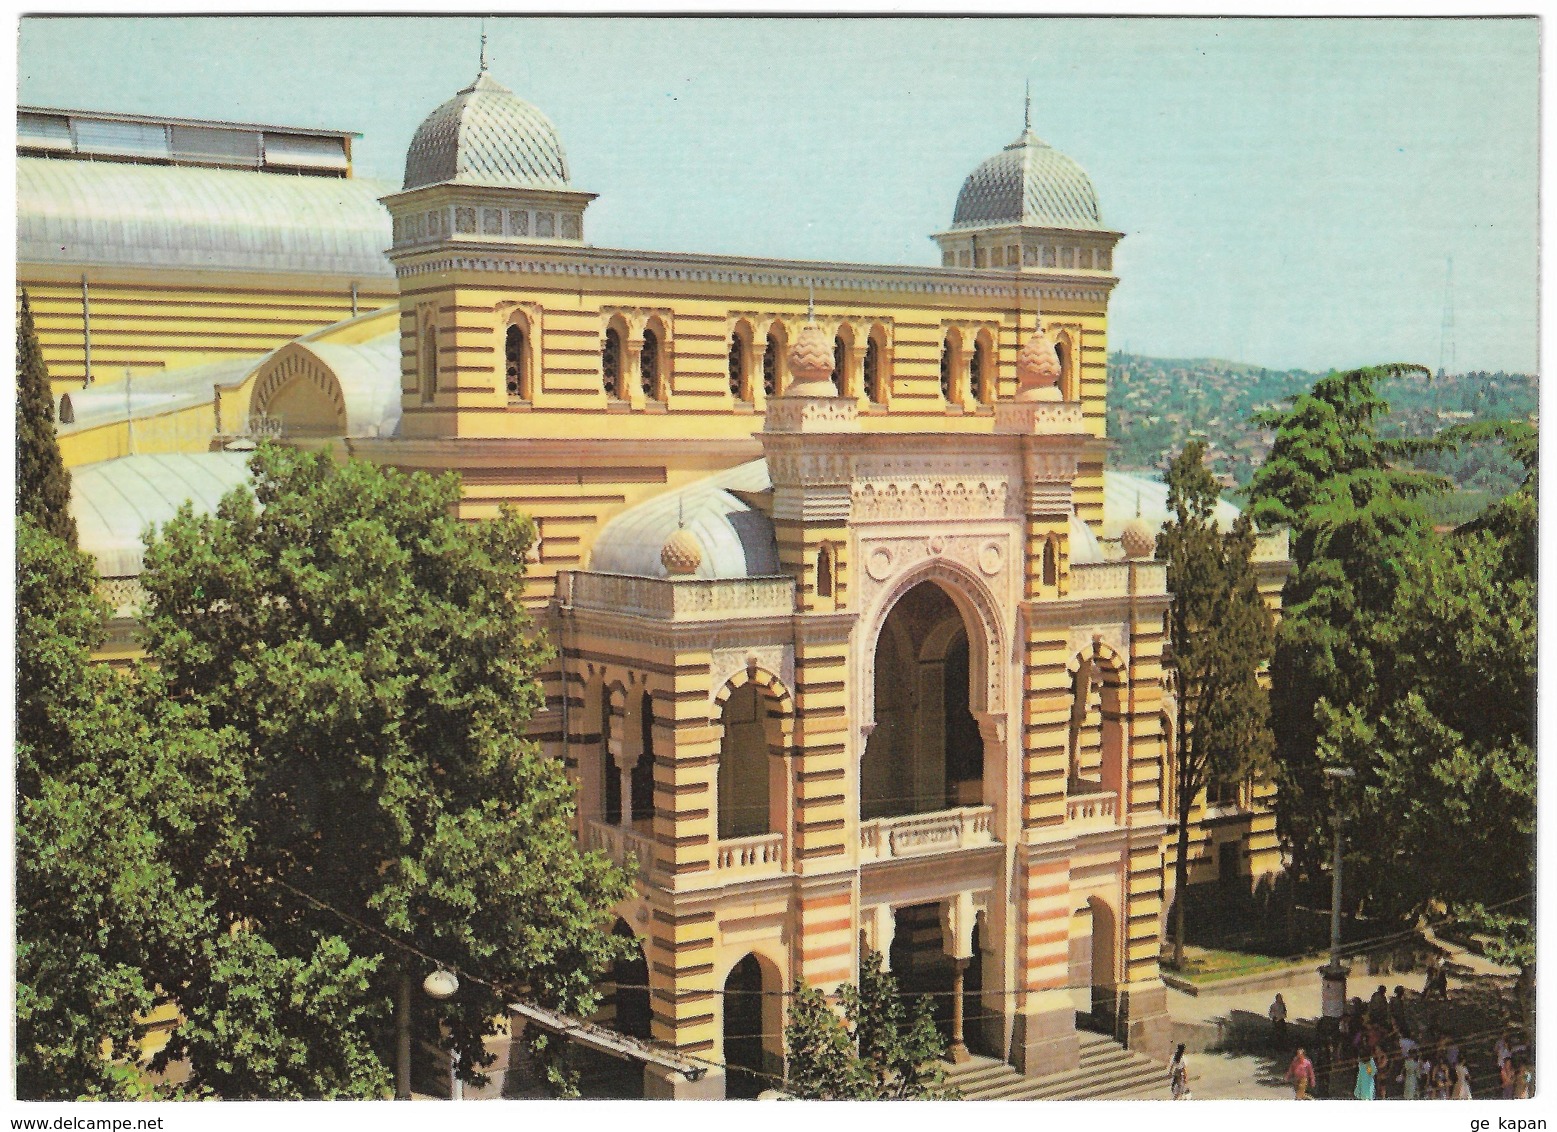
{"x":42,"y":483}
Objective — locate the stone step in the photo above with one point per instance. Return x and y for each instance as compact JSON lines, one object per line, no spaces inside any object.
{"x":1107,"y":1071}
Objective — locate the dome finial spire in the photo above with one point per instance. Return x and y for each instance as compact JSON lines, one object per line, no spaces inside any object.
{"x":483,"y":45}
{"x":1027,"y":104}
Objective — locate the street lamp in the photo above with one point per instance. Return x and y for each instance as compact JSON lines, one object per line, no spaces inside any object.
{"x":1333,"y":974}
{"x":439,"y":985}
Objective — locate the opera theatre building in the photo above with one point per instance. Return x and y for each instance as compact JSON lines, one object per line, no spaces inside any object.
{"x":857,"y":645}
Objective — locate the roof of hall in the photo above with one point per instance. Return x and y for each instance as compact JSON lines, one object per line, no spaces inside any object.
{"x":120,"y":214}
{"x":736,"y":538}
{"x":1126,"y":496}
{"x":363,"y":352}
{"x":115,"y":501}
{"x":487,"y":135}
{"x":1028,"y":182}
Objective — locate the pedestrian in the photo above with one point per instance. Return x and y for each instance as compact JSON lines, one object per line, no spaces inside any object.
{"x":1278,"y":1022}
{"x":1461,"y":1090}
{"x":1397,"y":1011}
{"x":1431,"y":981}
{"x":1440,"y":1080}
{"x":1506,"y":1077}
{"x":1178,"y":1075}
{"x":1381,"y":1064}
{"x":1301,"y":1074}
{"x":1378,"y":1007}
{"x":1524,"y":1079}
{"x":1410,"y":1075}
{"x":1366,"y":1072}
{"x":1441,"y":982}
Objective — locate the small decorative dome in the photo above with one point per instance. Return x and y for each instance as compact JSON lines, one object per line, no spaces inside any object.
{"x":1028,"y":182}
{"x":1038,"y":370}
{"x":811,"y":365}
{"x":487,"y":135}
{"x":1137,"y":539}
{"x":682,"y":554}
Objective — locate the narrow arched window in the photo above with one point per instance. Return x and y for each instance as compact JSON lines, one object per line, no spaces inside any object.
{"x":738,"y":368}
{"x":873,"y":372}
{"x":840,"y":365}
{"x":1051,"y":564}
{"x":977,"y":375}
{"x":1061,"y":350}
{"x":429,"y":373}
{"x":513,"y":362}
{"x":611,"y":364}
{"x":824,"y":572}
{"x":770,"y":359}
{"x":649,"y":366}
{"x":946,"y":371}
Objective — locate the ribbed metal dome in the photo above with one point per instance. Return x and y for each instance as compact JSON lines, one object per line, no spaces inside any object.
{"x":1028,"y":182}
{"x":487,"y":135}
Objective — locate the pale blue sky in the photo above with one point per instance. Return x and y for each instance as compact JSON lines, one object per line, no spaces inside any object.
{"x":1289,"y":189}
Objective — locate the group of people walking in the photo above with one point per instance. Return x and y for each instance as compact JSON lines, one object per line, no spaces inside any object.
{"x":1393,"y":1060}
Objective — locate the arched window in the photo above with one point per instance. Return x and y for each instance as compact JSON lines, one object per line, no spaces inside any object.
{"x":1051,"y":564}
{"x":946,"y":371}
{"x":1062,"y":351}
{"x":824,"y":572}
{"x":642,"y":777}
{"x":611,"y":364}
{"x":611,"y":802}
{"x":429,"y":371}
{"x":516,"y":380}
{"x":873,"y":372}
{"x":738,"y":388}
{"x":649,"y":366}
{"x":978,"y":374}
{"x":770,"y":361}
{"x":951,"y":365}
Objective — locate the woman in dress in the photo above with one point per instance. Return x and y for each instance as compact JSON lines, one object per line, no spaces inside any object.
{"x":1366,"y":1072}
{"x":1461,"y":1091}
{"x":1440,"y":1080}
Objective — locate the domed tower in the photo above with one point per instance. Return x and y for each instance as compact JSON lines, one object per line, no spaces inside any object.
{"x":486,"y":180}
{"x":1028,"y":208}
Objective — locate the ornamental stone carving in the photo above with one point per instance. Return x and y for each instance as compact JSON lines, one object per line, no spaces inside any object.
{"x":925,"y":500}
{"x":1115,"y":636}
{"x":723,"y":664}
{"x":828,"y":413}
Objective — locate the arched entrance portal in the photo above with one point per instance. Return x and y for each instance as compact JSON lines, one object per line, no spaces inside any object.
{"x":626,"y":1005}
{"x":753,"y":1028}
{"x":1094,"y":962}
{"x":925,"y":752}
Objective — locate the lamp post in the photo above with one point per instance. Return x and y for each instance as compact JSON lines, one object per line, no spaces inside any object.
{"x":439,"y":985}
{"x":1333,"y":974}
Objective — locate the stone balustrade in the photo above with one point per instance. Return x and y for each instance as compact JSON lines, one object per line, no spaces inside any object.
{"x":681,"y":599}
{"x":1108,"y":579}
{"x":1092,"y":809}
{"x":617,"y":842}
{"x":912,"y":834}
{"x":741,"y":857}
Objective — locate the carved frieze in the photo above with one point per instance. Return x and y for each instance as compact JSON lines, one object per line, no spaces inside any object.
{"x":930,"y":500}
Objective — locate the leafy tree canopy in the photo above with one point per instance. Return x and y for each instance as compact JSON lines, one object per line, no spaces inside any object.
{"x":880,"y":1048}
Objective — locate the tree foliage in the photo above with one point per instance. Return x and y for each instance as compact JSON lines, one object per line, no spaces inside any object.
{"x":318,"y":778}
{"x":1357,"y":522}
{"x":880,"y":1048}
{"x":1220,"y":636}
{"x":42,"y":483}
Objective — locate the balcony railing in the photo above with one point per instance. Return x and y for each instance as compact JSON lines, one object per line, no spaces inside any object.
{"x":913,"y":834}
{"x":1092,"y":809}
{"x":740,"y":857}
{"x":617,"y":842}
{"x":681,"y":599}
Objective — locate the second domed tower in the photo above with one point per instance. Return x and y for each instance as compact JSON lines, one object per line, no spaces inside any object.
{"x":1028,"y":208}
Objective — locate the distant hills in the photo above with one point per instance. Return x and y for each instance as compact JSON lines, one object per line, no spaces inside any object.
{"x":1156,"y":404}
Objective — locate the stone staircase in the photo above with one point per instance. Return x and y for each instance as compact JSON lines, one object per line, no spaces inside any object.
{"x":1108,"y":1072}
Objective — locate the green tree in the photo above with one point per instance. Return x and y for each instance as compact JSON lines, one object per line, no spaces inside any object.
{"x":370,"y":655}
{"x":881,"y":1048}
{"x":114,"y":783}
{"x":1357,"y":523}
{"x":1220,"y":636}
{"x":42,"y":483}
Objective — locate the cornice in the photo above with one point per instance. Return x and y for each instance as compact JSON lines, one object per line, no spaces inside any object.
{"x":587,"y":261}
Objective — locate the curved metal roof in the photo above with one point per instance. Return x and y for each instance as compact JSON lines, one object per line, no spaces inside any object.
{"x":737,"y":540}
{"x":487,"y":135}
{"x":1028,"y":182}
{"x":1126,"y":496}
{"x":113,"y":502}
{"x":151,"y":395}
{"x":106,"y":213}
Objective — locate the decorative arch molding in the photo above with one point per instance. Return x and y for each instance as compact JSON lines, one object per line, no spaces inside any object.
{"x":979,"y":610}
{"x":769,"y":682}
{"x":526,"y":316}
{"x":279,"y":374}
